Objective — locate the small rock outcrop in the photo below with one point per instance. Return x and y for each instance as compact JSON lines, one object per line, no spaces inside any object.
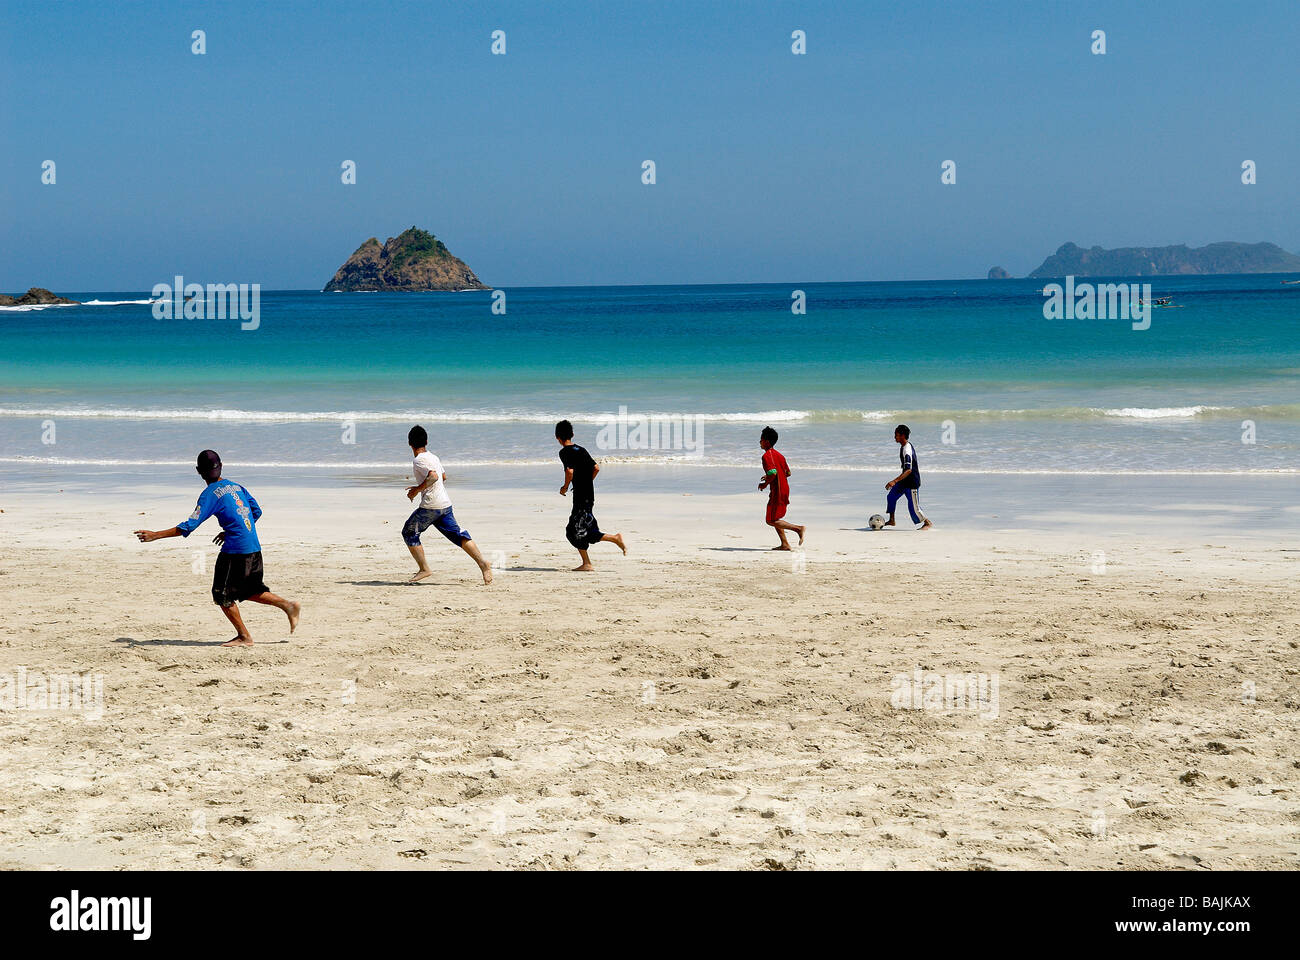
{"x":413,"y":261}
{"x":35,"y":296}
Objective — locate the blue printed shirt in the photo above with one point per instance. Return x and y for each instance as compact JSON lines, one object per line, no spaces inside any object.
{"x":236,"y":511}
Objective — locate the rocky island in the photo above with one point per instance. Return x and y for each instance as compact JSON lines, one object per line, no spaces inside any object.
{"x":33,"y":297}
{"x":1073,"y":260}
{"x":413,"y":261}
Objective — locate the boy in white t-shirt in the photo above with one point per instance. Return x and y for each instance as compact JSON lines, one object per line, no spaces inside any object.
{"x":434,"y":509}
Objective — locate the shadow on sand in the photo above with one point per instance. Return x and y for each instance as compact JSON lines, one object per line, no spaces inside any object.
{"x":185,"y":643}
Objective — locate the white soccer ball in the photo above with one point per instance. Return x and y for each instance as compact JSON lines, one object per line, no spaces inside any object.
{"x":877,"y":522}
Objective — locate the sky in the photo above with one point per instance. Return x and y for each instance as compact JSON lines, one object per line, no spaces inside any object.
{"x":770,"y":166}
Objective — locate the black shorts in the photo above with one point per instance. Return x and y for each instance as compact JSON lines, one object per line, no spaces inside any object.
{"x":237,"y":577}
{"x":582,"y":529}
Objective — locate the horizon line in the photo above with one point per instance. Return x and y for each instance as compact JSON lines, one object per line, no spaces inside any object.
{"x":716,"y":283}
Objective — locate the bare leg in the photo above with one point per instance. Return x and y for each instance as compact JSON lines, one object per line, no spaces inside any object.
{"x":616,"y":538}
{"x":785,"y":544}
{"x":242,"y":638}
{"x":291,"y":609}
{"x":890,"y":521}
{"x":586,"y":563}
{"x":787,"y":525}
{"x":417,"y":551}
{"x":484,"y":567}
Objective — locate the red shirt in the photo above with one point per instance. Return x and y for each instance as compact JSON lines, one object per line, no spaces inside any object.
{"x":778,"y":489}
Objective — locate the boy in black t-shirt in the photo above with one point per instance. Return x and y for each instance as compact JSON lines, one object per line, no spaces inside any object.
{"x":580,"y":472}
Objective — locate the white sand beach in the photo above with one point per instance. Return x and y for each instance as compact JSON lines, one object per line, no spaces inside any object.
{"x":701,"y":703}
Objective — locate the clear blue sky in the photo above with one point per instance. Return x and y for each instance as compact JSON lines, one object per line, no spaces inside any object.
{"x":771,"y":167}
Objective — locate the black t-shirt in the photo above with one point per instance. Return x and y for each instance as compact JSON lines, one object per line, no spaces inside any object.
{"x":580,"y":462}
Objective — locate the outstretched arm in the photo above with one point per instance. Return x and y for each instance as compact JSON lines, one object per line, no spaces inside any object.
{"x":148,"y":536}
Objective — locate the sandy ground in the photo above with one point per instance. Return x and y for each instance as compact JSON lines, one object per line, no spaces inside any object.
{"x":702,"y":703}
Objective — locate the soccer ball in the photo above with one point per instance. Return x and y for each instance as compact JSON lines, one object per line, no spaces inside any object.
{"x":877,"y":522}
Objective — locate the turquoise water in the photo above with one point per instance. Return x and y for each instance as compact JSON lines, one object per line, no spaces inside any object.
{"x":985,"y":382}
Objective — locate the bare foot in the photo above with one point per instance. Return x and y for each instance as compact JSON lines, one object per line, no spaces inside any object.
{"x":420,"y":575}
{"x":239,"y":642}
{"x":889,"y":523}
{"x":585,"y":568}
{"x":294,"y":611}
{"x":784,"y":546}
{"x":487,"y":572}
{"x":801,"y":530}
{"x":927,"y":525}
{"x":618,"y":539}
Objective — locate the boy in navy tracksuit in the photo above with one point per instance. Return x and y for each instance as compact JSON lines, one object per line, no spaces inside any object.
{"x":908,"y":483}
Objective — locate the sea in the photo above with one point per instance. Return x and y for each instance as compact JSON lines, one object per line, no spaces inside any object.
{"x":328,"y":384}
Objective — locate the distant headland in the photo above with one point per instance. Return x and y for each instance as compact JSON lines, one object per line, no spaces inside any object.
{"x":413,"y":261}
{"x":33,"y":297}
{"x":1227,"y":257}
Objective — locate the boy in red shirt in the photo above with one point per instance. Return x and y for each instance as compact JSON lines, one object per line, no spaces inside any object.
{"x":776,"y":475}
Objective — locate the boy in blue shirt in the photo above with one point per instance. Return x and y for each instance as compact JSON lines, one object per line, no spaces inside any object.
{"x":238,"y":574}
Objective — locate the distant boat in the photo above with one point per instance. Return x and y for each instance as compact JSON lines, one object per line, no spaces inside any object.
{"x":1291,"y":281}
{"x":1156,"y":302}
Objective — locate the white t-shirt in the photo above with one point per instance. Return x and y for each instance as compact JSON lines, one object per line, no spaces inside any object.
{"x":434,"y":496}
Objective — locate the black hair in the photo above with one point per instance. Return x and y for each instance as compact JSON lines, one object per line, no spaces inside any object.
{"x":902,"y":428}
{"x":418,"y":436}
{"x":209,"y":465}
{"x":564,"y":430}
{"x":769,"y":435}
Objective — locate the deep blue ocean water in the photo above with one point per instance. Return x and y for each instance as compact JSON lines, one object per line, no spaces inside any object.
{"x":985,"y":382}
